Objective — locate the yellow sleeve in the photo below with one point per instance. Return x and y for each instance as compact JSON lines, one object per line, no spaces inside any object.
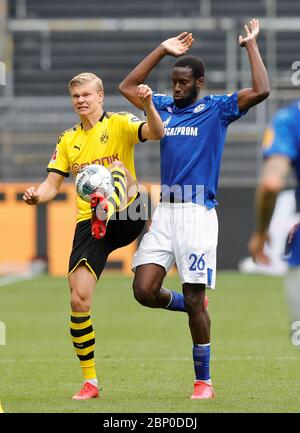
{"x":59,"y":162}
{"x":134,"y":125}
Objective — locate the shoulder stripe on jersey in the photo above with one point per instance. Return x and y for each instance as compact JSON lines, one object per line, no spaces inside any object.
{"x":58,"y":172}
{"x":140,"y":133}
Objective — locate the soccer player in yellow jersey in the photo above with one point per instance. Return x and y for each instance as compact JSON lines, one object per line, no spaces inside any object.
{"x":107,"y":139}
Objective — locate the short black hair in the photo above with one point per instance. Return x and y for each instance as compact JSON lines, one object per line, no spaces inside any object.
{"x":195,"y":63}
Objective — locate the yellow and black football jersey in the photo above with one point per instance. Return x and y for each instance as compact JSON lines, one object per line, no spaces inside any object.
{"x":111,"y":139}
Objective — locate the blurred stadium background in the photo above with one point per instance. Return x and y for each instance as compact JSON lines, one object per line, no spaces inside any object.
{"x":43,"y":44}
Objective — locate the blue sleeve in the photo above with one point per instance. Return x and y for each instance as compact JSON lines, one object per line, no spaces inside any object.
{"x":161,"y":101}
{"x":279,"y":137}
{"x":228,"y":108}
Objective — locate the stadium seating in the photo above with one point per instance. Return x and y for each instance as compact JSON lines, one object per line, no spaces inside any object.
{"x":155,"y":8}
{"x":287,"y":45}
{"x":44,"y":66}
{"x":287,"y":8}
{"x":237,"y":8}
{"x":97,"y":9}
{"x":44,"y":62}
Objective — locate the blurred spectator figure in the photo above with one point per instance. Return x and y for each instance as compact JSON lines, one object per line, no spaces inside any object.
{"x":283,"y":218}
{"x":281,"y":150}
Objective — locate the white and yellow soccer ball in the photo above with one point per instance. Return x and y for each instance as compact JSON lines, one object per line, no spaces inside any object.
{"x":94,"y":178}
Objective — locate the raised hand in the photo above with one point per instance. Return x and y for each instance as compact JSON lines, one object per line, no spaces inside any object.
{"x":145,"y":94}
{"x":31,"y":196}
{"x":251,"y":32}
{"x":178,"y":45}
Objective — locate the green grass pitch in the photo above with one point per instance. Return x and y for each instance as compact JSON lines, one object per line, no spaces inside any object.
{"x":144,"y":356}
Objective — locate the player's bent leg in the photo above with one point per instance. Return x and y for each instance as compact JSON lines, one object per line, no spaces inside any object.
{"x":104,"y":208}
{"x":131,"y":183}
{"x":118,"y":198}
{"x":199,"y":323}
{"x":148,"y":289}
{"x":147,"y":286}
{"x":82,"y":283}
{"x":117,"y":164}
{"x":199,"y":320}
{"x":99,"y":208}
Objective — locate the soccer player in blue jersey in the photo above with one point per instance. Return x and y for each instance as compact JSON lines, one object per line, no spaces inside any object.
{"x":184,"y":228}
{"x":281,"y":151}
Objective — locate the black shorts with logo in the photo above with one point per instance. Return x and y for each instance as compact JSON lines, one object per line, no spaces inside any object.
{"x":122,"y":229}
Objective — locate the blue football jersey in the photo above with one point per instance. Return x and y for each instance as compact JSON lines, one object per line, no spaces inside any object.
{"x":282,"y":137}
{"x":192,"y":147}
{"x":292,"y":247}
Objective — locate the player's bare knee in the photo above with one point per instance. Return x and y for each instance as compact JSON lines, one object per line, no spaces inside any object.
{"x":117,"y":164}
{"x":79,"y":303}
{"x":143,"y":292}
{"x":140,"y":292}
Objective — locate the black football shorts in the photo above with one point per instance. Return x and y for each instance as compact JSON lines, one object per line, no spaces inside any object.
{"x":123,"y":228}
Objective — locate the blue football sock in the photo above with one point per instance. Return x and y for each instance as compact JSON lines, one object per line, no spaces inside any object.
{"x":201,"y":357}
{"x":176,"y":303}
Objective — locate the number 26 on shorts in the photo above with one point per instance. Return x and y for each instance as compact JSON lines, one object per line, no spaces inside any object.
{"x":197,"y":262}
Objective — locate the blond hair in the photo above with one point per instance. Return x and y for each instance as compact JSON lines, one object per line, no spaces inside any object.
{"x":86,"y":77}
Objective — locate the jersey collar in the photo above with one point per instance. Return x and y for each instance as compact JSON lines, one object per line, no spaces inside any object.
{"x":188,"y":107}
{"x":104,"y":114}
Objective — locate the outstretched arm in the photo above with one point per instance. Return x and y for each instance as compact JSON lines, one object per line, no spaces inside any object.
{"x":260,"y":81}
{"x":176,"y":47}
{"x":45,"y":192}
{"x":272,"y":181}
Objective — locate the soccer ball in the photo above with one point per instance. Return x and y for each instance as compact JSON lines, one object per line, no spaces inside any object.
{"x":94,"y":178}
